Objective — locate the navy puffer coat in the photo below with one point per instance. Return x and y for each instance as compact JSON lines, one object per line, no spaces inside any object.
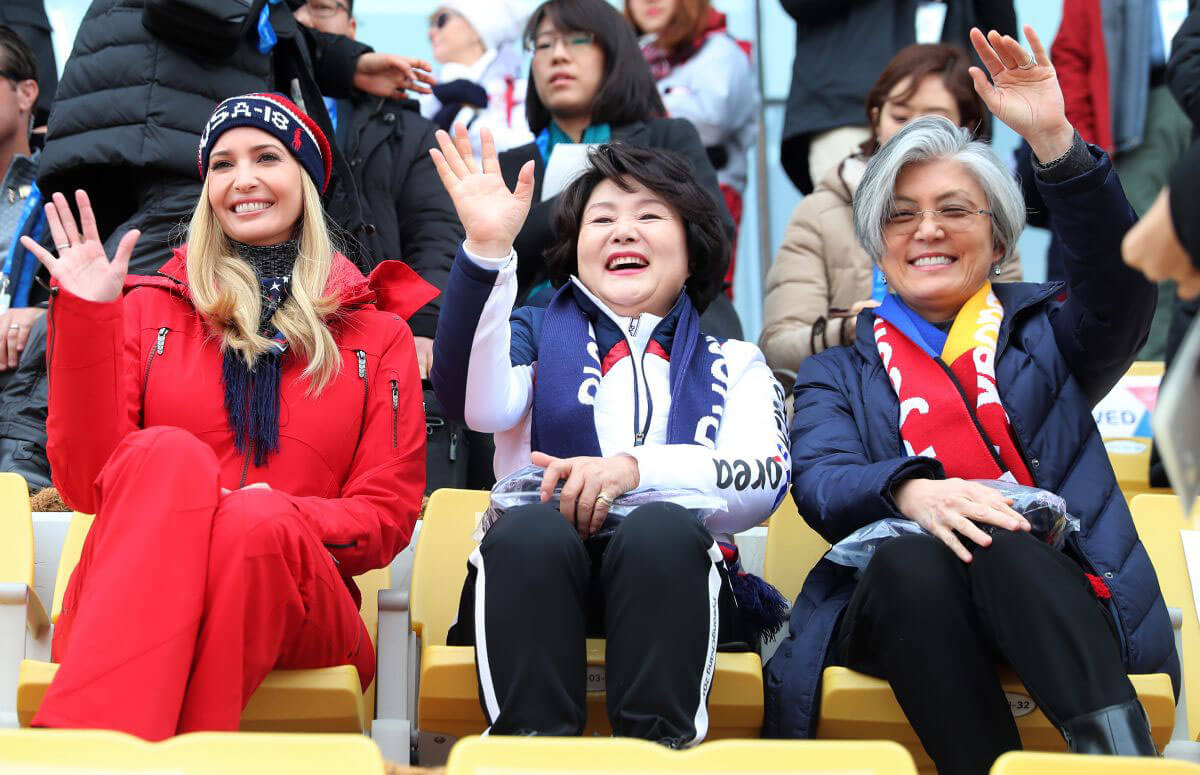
{"x":1055,"y":359}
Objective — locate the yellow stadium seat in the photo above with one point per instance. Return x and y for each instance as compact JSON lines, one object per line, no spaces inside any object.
{"x":1145,"y":369}
{"x":793,"y":548}
{"x":1158,"y":519}
{"x":856,"y":706}
{"x":1022,"y":763}
{"x":323,"y":700}
{"x":530,"y":756}
{"x":1130,"y":460}
{"x":447,"y":703}
{"x":24,"y":626}
{"x":90,"y":752}
{"x":1130,"y":455}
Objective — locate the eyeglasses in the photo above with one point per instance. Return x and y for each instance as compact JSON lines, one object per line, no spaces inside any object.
{"x":573,"y":42}
{"x":439,"y":20}
{"x":323,"y":9}
{"x":902,"y":223}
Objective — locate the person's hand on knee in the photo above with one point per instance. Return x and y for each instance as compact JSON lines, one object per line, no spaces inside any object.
{"x":590,"y":486}
{"x":952,"y":508}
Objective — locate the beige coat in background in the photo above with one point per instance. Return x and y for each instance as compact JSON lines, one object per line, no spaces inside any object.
{"x":821,"y":266}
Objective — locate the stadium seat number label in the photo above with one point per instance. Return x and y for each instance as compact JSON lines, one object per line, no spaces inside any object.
{"x":1020,"y":704}
{"x":595,"y":678}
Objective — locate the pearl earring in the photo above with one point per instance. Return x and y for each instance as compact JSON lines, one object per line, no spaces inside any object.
{"x":996,"y":270}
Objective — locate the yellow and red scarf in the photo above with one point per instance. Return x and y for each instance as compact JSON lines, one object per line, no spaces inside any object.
{"x":950,"y":406}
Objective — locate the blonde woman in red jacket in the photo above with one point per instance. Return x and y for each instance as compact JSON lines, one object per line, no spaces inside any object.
{"x":246,"y":426}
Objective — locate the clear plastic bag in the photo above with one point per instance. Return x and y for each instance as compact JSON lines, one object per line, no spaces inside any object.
{"x":1046,"y":512}
{"x":523,"y":487}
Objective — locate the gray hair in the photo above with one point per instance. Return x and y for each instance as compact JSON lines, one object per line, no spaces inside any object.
{"x":936,"y":137}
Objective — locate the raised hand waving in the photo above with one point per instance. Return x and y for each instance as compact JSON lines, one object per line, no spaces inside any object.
{"x":491,"y":215}
{"x":82,"y":267}
{"x":1024,"y":91}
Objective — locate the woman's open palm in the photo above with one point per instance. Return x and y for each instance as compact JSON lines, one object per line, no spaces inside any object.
{"x":82,"y":267}
{"x":1024,"y":91}
{"x":491,"y":215}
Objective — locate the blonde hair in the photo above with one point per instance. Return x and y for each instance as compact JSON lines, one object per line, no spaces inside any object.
{"x":226,"y":292}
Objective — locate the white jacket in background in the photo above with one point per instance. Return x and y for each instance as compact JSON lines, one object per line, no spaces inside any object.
{"x":717,"y":91}
{"x":494,"y":71}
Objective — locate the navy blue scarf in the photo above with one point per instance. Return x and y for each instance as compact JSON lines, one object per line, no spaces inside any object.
{"x":252,"y":392}
{"x":568,"y":375}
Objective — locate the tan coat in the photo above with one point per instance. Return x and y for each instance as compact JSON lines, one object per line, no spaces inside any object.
{"x":821,"y":268}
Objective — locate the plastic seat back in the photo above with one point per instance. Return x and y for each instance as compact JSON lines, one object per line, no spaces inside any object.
{"x":533,"y":755}
{"x":1023,"y":763}
{"x":86,"y":752}
{"x":16,"y":531}
{"x":1158,"y":519}
{"x":440,"y":560}
{"x":1145,"y":369}
{"x":793,"y":548}
{"x":72,"y":548}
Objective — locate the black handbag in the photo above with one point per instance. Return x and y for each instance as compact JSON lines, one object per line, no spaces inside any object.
{"x":211,"y":29}
{"x":445,"y":446}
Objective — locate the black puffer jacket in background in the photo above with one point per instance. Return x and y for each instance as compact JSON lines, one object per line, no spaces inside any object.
{"x":1183,"y":68}
{"x":408,"y":212}
{"x":841,"y":48}
{"x":130,"y":108}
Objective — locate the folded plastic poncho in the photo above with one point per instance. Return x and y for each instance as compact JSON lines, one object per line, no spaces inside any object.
{"x":1046,"y":512}
{"x":524,"y":487}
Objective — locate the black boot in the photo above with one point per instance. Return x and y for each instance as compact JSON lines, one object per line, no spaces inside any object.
{"x":1118,"y":730}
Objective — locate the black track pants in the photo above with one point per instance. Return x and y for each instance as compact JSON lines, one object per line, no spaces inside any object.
{"x":657,"y":588}
{"x":935,"y":628}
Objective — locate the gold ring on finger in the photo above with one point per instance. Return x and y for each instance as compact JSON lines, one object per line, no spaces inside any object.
{"x":605,"y":499}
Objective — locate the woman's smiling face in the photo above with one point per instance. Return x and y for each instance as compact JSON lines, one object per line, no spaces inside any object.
{"x":254,"y":187}
{"x":632,"y":249}
{"x":935,"y":263}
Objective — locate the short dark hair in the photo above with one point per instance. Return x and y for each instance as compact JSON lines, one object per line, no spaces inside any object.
{"x":917,"y":61}
{"x":667,"y":175}
{"x":16,"y":58}
{"x":627,"y":92}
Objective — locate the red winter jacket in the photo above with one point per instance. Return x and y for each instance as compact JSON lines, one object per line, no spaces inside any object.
{"x":351,"y":459}
{"x":1081,"y":62}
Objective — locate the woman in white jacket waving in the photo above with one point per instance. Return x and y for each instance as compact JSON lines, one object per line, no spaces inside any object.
{"x":611,"y":388}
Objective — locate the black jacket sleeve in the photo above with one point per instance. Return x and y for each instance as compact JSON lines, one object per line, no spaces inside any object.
{"x":811,"y":12}
{"x":429,"y":227}
{"x":1185,"y":201}
{"x":1183,"y":69}
{"x":680,"y":135}
{"x":996,"y":15}
{"x":334,"y":59}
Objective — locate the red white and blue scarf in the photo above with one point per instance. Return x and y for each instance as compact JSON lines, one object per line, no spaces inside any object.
{"x":950,"y":405}
{"x":569,"y":370}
